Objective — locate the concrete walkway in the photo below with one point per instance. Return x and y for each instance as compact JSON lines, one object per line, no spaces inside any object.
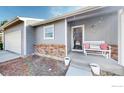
{"x":6,"y":55}
{"x":75,"y":70}
{"x":109,"y":65}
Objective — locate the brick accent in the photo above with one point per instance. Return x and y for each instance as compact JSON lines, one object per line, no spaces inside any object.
{"x":51,"y":50}
{"x":114,"y":52}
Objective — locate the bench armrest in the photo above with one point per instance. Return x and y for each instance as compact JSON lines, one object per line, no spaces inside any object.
{"x":109,"y":47}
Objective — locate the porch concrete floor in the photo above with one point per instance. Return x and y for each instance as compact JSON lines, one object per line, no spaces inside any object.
{"x":75,"y":70}
{"x":82,"y":61}
{"x":6,"y":55}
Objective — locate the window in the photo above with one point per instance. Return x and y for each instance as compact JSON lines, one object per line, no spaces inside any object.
{"x":49,"y":32}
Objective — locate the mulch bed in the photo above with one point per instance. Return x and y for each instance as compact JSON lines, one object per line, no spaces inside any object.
{"x":33,"y":66}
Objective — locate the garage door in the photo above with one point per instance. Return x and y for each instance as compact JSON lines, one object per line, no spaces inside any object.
{"x":13,"y":41}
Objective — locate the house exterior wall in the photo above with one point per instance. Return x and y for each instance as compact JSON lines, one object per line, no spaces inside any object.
{"x":69,"y":38}
{"x":106,"y":30}
{"x":30,"y":37}
{"x":59,"y":33}
{"x":51,"y":47}
{"x":99,"y":28}
{"x":30,"y":40}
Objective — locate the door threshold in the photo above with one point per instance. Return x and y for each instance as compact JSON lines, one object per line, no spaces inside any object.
{"x":77,"y":50}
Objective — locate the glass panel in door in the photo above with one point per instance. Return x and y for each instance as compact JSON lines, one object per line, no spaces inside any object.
{"x":77,"y":38}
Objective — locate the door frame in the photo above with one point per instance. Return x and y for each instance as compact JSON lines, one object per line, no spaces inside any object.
{"x":72,"y":40}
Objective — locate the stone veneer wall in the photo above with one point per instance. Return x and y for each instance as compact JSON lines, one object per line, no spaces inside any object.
{"x":51,"y":50}
{"x":114,"y":52}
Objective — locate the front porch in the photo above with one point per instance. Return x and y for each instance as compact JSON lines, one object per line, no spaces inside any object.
{"x":97,"y":25}
{"x":80,"y":61}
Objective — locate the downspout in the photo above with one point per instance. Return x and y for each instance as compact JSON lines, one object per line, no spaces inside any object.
{"x":66,"y":53}
{"x":24,"y":40}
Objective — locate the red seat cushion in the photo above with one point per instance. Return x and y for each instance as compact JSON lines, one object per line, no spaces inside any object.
{"x":104,"y":46}
{"x":86,"y":45}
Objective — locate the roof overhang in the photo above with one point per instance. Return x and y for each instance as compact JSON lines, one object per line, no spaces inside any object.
{"x":82,"y":10}
{"x":10,"y":23}
{"x":16,"y":21}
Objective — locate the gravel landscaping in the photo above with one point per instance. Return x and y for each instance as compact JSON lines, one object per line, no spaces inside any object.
{"x":33,"y":66}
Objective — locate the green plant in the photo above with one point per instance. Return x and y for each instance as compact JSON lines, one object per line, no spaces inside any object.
{"x":1,"y":46}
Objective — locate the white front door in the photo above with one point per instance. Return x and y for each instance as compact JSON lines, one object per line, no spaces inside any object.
{"x":77,"y":38}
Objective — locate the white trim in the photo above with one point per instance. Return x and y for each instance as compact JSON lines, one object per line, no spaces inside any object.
{"x":72,"y":37}
{"x":120,"y":38}
{"x":24,"y":40}
{"x":28,"y":18}
{"x":48,"y":38}
{"x":66,"y":37}
{"x":119,"y":34}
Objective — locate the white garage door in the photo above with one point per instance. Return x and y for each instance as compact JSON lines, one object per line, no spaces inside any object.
{"x":13,"y":41}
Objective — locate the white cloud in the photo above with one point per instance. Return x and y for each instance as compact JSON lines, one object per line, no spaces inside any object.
{"x":59,"y":10}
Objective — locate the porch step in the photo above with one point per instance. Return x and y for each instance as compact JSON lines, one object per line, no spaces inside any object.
{"x":78,"y":70}
{"x":117,"y":69}
{"x":80,"y":65}
{"x":110,"y":65}
{"x":73,"y":71}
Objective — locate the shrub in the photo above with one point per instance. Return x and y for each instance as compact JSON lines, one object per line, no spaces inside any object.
{"x":1,"y":46}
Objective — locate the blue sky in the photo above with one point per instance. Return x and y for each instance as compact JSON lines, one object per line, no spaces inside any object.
{"x":42,"y":12}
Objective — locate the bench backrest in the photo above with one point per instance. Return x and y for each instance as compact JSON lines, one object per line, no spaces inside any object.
{"x":94,"y":42}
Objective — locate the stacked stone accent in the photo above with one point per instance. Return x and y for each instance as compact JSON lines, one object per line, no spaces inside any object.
{"x":114,"y":52}
{"x":50,"y":50}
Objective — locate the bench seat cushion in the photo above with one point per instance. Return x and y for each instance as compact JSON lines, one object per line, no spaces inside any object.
{"x":104,"y":46}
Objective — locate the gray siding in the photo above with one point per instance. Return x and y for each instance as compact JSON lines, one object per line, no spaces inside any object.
{"x":106,"y":29}
{"x":99,"y":28}
{"x":30,"y":39}
{"x":59,"y":28}
{"x":30,"y":36}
